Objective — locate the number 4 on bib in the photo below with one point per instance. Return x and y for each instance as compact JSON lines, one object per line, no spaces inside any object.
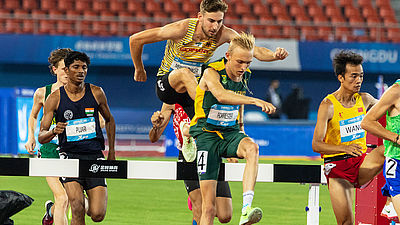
{"x":202,"y":161}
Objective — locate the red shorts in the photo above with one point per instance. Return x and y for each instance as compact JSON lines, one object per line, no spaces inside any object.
{"x":343,"y":167}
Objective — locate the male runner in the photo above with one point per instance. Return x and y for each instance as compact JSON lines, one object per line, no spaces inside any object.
{"x":218,"y":126}
{"x":160,"y":121}
{"x":76,"y":107}
{"x":340,"y":139}
{"x":54,"y":211}
{"x":190,"y":43}
{"x":389,"y":104}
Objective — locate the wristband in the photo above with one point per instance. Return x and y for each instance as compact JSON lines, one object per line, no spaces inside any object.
{"x":52,"y":131}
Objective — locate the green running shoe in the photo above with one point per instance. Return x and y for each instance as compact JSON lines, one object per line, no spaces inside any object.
{"x":189,"y":149}
{"x":251,"y":216}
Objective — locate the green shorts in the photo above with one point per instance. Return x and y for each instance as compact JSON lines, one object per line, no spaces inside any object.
{"x":210,"y":150}
{"x":49,"y":150}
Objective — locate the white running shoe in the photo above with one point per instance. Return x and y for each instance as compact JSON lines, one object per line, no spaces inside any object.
{"x":189,"y":148}
{"x":389,"y":213}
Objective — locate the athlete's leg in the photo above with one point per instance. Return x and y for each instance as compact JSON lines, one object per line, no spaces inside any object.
{"x":97,"y":203}
{"x":224,"y":209}
{"x":341,"y":192}
{"x":372,"y":165}
{"x":59,"y":208}
{"x":249,"y":150}
{"x":208,"y":190}
{"x":183,"y":80}
{"x":195,"y":198}
{"x":396,"y":203}
{"x":76,"y":199}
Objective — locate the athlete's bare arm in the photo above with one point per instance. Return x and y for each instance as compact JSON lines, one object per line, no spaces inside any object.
{"x":38,"y":102}
{"x":173,"y":31}
{"x":325,"y":113}
{"x":368,"y":100}
{"x":241,"y":115}
{"x":104,"y":110}
{"x":390,"y":101}
{"x":160,"y":120}
{"x":211,"y":82}
{"x":50,"y":106}
{"x":260,"y":53}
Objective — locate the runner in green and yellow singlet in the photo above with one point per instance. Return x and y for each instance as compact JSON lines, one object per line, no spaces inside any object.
{"x":218,"y":126}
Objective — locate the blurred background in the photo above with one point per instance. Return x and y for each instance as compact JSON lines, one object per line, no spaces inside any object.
{"x":311,"y":30}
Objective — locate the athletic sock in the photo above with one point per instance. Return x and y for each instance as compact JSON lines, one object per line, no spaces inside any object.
{"x":247,"y":199}
{"x":194,"y":222}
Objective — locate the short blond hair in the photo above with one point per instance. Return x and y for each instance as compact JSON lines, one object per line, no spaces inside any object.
{"x":213,"y":6}
{"x":244,"y":40}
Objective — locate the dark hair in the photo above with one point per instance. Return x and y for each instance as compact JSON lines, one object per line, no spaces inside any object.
{"x":213,"y":6}
{"x":343,"y":58}
{"x":56,"y":56}
{"x":75,"y":55}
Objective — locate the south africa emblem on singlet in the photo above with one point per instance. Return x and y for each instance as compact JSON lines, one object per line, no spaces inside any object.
{"x":68,"y":114}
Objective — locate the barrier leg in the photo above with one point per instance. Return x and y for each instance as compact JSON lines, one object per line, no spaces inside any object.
{"x":313,"y":205}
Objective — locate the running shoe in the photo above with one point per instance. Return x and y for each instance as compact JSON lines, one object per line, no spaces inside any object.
{"x":389,"y":213}
{"x":250,"y":215}
{"x":189,"y":148}
{"x":47,"y":219}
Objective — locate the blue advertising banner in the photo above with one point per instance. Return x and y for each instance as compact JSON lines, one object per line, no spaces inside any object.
{"x":24,"y":103}
{"x":273,"y":140}
{"x":35,"y":49}
{"x":378,"y":57}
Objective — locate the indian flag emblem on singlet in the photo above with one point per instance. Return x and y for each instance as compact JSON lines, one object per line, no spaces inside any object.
{"x":89,"y":111}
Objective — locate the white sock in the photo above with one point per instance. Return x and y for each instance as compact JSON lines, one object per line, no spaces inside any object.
{"x":247,"y":199}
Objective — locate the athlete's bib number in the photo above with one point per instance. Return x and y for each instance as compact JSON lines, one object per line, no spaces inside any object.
{"x":223,"y":115}
{"x":195,"y":67}
{"x":390,"y":168}
{"x":350,"y":129}
{"x":202,"y":161}
{"x":81,"y":129}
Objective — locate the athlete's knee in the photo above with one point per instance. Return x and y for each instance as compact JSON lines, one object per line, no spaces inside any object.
{"x":251,"y":149}
{"x":61,"y":200}
{"x":225,"y":217}
{"x":209,"y":210}
{"x":97,"y":217}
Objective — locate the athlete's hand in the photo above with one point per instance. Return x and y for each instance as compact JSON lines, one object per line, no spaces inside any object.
{"x":265,"y":106}
{"x":140,"y":75}
{"x":280,"y":53}
{"x":353,"y":149}
{"x":157,"y":119}
{"x":30,"y":146}
{"x":232,"y":160}
{"x":59,"y":128}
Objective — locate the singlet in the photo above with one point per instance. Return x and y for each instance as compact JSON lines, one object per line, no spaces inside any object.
{"x":392,"y":150}
{"x":179,"y":116}
{"x":187,"y":53}
{"x":211,"y":115}
{"x":83,"y":133}
{"x":345,"y":126}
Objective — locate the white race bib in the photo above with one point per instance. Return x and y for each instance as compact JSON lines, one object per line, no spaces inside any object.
{"x":223,"y":115}
{"x":350,"y":129}
{"x":195,"y":67}
{"x":81,"y":129}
